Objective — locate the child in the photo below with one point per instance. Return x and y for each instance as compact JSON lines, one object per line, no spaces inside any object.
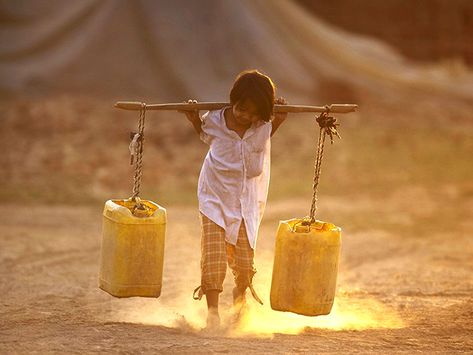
{"x":233,"y":184}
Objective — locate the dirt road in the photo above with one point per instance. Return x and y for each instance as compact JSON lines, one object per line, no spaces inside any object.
{"x":405,"y":284}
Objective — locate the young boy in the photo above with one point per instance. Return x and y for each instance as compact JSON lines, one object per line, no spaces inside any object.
{"x":233,"y":184}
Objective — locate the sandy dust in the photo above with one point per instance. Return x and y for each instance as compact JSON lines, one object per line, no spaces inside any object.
{"x":400,"y":289}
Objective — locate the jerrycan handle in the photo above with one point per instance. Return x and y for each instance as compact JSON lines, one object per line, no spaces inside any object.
{"x":139,"y":209}
{"x":304,"y":225}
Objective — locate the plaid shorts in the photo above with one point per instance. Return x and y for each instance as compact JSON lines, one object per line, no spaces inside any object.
{"x":216,"y":252}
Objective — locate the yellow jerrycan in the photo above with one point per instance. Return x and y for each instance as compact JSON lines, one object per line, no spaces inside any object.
{"x":132,"y":248}
{"x":305,"y":267}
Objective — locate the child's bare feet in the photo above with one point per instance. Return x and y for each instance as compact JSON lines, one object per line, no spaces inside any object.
{"x":213,"y":320}
{"x":239,"y":304}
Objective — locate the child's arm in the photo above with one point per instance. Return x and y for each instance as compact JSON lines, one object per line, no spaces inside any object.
{"x":279,"y":117}
{"x":194,"y":118}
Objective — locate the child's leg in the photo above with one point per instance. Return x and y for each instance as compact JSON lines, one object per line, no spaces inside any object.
{"x":241,"y":261}
{"x":213,"y":264}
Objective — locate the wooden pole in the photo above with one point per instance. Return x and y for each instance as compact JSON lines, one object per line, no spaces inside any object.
{"x":209,"y":106}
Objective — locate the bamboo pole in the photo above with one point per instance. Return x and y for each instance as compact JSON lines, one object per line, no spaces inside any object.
{"x":209,"y":106}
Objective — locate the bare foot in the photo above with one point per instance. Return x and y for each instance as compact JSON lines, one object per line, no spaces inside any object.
{"x":213,"y":320}
{"x":239,"y":304}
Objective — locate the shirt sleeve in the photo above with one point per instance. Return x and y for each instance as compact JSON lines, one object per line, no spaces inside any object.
{"x":205,"y":134}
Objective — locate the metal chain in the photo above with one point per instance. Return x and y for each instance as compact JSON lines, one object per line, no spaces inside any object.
{"x":328,"y":126}
{"x":139,"y":155}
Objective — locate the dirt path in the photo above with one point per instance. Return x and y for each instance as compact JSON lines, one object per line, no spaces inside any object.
{"x":402,"y":287}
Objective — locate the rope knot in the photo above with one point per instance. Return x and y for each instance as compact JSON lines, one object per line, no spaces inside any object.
{"x":328,"y":124}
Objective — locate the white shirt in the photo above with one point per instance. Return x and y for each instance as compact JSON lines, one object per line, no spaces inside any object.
{"x":234,"y":179}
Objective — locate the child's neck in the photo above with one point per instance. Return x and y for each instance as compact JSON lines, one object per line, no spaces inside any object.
{"x":233,"y":125}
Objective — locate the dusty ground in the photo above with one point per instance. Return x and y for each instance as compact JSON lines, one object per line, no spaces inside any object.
{"x":399,"y":185}
{"x":405,"y":283}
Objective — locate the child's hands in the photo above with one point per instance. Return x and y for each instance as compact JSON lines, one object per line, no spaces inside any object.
{"x":192,"y":116}
{"x":280,"y":116}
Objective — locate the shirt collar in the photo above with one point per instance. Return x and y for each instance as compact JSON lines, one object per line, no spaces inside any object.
{"x":249,"y":132}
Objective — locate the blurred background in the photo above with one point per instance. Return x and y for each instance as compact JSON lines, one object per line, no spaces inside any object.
{"x":63,"y":65}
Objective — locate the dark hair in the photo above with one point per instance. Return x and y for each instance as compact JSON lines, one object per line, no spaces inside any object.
{"x":256,"y":87}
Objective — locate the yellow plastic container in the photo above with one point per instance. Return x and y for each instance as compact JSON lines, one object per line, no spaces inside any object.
{"x":305,"y":267}
{"x":132,"y":249}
